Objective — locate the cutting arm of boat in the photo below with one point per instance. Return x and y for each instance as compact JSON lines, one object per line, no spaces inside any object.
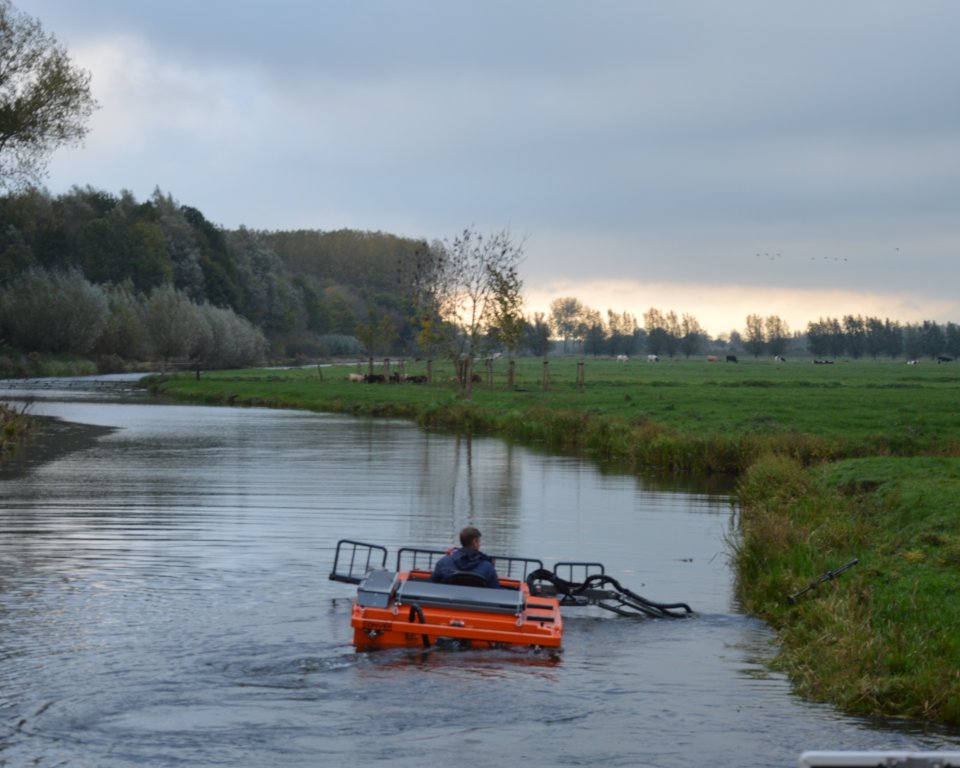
{"x":598,"y":589}
{"x":402,"y":606}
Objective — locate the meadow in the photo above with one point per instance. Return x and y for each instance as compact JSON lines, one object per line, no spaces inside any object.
{"x":682,"y":415}
{"x":855,"y":460}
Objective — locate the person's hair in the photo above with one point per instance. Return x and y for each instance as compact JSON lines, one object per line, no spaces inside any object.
{"x":469,"y":535}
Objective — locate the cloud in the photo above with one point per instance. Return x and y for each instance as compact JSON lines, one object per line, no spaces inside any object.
{"x":669,"y":143}
{"x":145,"y":96}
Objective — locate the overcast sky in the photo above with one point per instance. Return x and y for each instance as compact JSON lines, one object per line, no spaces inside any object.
{"x":716,"y":158}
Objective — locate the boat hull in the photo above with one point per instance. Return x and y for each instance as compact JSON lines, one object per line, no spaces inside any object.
{"x":407,"y":610}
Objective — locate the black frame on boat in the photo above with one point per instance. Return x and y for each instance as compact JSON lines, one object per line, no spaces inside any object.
{"x":586,"y":583}
{"x":359,"y":552}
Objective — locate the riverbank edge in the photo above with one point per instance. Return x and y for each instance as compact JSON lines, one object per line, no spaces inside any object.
{"x":780,"y":547}
{"x":854,"y":564}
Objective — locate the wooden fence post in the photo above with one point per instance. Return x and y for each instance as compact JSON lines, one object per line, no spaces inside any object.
{"x":546,"y":375}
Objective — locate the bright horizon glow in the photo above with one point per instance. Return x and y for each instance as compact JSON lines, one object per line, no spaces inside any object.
{"x":721,"y":309}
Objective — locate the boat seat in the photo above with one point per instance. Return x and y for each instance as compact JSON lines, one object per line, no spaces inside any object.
{"x":483,"y":599}
{"x":467,"y":579}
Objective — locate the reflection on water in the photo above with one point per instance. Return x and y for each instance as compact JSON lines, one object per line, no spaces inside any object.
{"x":164,"y":601}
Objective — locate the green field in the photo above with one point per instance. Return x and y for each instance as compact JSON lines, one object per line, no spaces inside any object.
{"x":857,"y":460}
{"x":735,"y":410}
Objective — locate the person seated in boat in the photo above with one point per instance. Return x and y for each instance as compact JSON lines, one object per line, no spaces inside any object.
{"x":457,"y":566}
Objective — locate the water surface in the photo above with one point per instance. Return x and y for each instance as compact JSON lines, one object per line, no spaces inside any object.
{"x":164,"y":601}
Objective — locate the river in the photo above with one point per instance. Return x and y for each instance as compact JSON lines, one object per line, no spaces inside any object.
{"x":164,"y":601}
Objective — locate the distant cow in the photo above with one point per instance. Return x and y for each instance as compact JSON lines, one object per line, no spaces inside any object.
{"x":622,"y":358}
{"x":779,"y":359}
{"x":731,"y":358}
{"x":712,"y":359}
{"x":913,"y":362}
{"x":653,"y":358}
{"x":944,"y":359}
{"x":823,"y":362}
{"x":355,"y":377}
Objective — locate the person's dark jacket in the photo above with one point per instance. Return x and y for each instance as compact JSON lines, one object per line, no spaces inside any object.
{"x":469,"y":560}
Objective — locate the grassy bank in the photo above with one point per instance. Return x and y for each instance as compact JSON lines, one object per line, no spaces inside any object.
{"x":839,"y":462}
{"x":669,"y":416}
{"x":883,"y":637}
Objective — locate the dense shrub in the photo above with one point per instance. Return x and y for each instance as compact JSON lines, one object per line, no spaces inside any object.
{"x":62,"y":313}
{"x":58,"y":312}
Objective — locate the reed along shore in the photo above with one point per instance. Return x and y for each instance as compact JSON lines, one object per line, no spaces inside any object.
{"x":14,"y":428}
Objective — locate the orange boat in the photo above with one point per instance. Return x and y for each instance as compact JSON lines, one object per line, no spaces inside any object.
{"x":407,"y":609}
{"x":404,"y":607}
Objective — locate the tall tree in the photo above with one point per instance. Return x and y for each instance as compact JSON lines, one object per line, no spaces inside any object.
{"x":931,"y":338}
{"x":623,"y":332}
{"x":45,"y":100}
{"x":874,"y":339}
{"x":378,"y":333}
{"x":754,"y":341}
{"x":456,"y":288}
{"x":567,"y":318}
{"x":951,"y":339}
{"x":855,"y":333}
{"x":507,"y":314}
{"x":836,"y":339}
{"x":537,"y":335}
{"x":595,"y":335}
{"x":912,"y":343}
{"x":182,"y":248}
{"x":674,"y":333}
{"x":818,"y":341}
{"x":893,"y":337}
{"x":658,"y":337}
{"x":174,"y":324}
{"x":735,"y":341}
{"x":777,"y":334}
{"x":692,"y":335}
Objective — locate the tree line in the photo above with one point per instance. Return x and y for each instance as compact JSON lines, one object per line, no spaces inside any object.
{"x":90,"y":272}
{"x":856,"y":336}
{"x":578,"y":328}
{"x":307,"y":291}
{"x":107,"y":262}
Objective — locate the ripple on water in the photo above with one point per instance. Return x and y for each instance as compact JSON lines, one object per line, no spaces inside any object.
{"x":164,"y":601}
